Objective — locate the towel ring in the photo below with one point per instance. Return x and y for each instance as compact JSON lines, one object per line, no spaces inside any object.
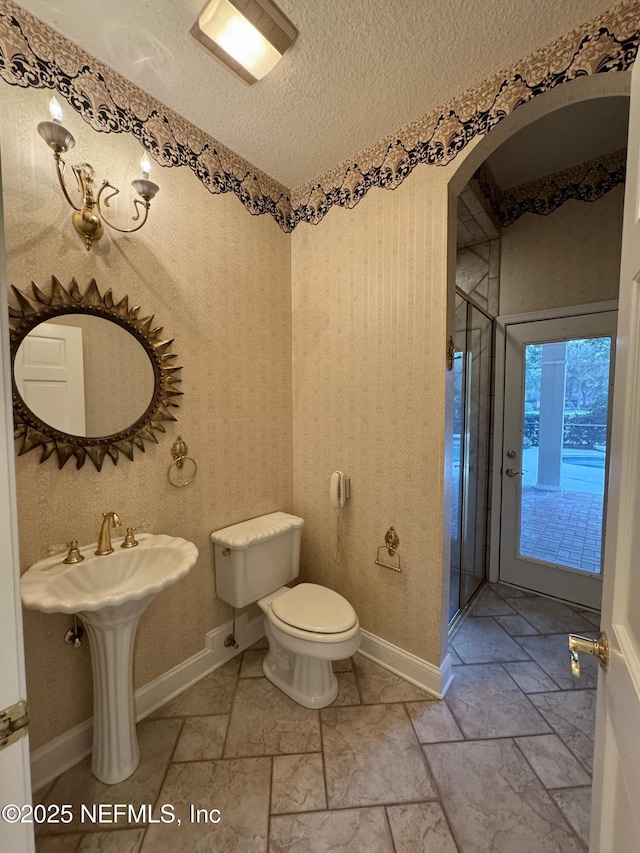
{"x":183,"y":468}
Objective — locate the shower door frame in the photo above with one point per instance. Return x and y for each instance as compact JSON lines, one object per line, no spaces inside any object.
{"x":463,"y":496}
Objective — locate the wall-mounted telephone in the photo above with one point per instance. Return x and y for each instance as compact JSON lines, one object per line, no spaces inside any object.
{"x":339,"y":489}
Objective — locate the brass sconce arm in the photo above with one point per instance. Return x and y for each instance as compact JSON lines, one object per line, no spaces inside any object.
{"x":88,"y":217}
{"x":143,"y":203}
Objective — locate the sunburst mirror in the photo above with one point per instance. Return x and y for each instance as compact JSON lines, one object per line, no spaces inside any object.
{"x":91,"y":377}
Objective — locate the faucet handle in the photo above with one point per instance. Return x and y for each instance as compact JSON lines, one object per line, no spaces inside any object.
{"x":130,"y":540}
{"x":74,"y":555}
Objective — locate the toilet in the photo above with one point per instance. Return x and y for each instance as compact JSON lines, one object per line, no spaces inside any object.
{"x":307,"y":625}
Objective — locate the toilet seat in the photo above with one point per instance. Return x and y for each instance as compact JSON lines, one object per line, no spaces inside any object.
{"x":312,"y":612}
{"x":314,"y":609}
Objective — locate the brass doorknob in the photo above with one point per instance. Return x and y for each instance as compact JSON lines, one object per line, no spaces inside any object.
{"x":598,"y":648}
{"x":511,"y":472}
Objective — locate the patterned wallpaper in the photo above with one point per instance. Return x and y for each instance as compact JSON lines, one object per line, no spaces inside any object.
{"x":586,"y":181}
{"x":222,"y":290}
{"x":33,"y":55}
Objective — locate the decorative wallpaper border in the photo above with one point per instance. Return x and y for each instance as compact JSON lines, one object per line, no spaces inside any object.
{"x":34,"y":55}
{"x":587,"y":181}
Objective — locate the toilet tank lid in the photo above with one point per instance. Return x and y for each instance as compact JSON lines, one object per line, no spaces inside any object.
{"x":254,"y":530}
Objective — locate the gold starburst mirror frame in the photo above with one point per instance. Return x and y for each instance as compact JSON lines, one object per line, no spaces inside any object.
{"x":28,"y":310}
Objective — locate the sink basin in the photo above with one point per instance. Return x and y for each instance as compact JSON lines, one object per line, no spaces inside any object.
{"x":110,"y":593}
{"x":129,"y":574}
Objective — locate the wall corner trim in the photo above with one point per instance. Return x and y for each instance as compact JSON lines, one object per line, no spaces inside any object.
{"x":61,"y":753}
{"x":435,"y":680}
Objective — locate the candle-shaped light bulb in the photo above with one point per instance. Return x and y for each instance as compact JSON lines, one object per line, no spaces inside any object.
{"x":145,"y":165}
{"x":56,"y":110}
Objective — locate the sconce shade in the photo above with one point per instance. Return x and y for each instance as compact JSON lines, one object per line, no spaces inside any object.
{"x":249,"y":36}
{"x":56,"y":136}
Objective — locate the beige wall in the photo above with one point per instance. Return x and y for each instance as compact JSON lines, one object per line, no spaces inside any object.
{"x":218,"y":280}
{"x":570,"y":257}
{"x":369,"y":321}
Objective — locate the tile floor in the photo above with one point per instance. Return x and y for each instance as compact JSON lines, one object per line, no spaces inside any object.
{"x":501,"y":766}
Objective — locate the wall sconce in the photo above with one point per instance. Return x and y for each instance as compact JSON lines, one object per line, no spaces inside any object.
{"x":88,"y":217}
{"x":249,"y":36}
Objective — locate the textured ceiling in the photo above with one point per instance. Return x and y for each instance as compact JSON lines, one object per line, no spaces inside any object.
{"x":564,"y":138}
{"x":359,"y":70}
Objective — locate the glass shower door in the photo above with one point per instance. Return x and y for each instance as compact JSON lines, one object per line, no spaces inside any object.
{"x":472,"y":365}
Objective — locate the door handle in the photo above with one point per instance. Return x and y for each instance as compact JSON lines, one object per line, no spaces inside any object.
{"x":598,"y":648}
{"x":511,"y":472}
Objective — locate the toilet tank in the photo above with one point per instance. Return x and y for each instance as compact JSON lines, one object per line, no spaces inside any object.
{"x":256,"y":557}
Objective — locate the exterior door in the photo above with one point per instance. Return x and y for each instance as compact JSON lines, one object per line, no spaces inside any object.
{"x":615,"y":821}
{"x":15,"y":781}
{"x":558,"y":381}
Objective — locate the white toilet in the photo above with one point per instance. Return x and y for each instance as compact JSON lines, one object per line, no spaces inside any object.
{"x":307,"y":626}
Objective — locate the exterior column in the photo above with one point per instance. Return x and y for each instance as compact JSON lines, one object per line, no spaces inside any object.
{"x":551,"y":428}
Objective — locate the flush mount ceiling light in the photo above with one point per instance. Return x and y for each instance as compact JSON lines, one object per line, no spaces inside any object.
{"x":249,"y":36}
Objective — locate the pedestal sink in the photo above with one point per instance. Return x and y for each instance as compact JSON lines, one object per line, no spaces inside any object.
{"x":109,"y":593}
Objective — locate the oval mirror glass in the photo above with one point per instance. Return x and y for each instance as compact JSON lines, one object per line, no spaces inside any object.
{"x":85,"y":376}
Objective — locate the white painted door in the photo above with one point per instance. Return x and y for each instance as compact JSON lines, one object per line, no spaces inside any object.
{"x":49,"y":371}
{"x":15,"y":780}
{"x":615,"y":821}
{"x":558,"y":384}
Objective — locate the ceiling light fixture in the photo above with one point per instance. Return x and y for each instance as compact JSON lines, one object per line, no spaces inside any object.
{"x":249,"y":36}
{"x":88,"y":217}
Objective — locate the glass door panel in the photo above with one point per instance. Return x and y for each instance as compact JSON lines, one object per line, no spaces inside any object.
{"x":557,"y":392}
{"x":472,"y":367}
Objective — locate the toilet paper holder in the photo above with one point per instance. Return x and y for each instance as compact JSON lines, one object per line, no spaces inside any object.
{"x":391,"y":540}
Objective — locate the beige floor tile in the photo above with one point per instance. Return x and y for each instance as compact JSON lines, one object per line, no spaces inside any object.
{"x":128,"y":841}
{"x":455,"y":657}
{"x":495,"y":802}
{"x":252,"y":663}
{"x":552,"y":762}
{"x":377,"y":684}
{"x":575,"y":804}
{"x":508,"y":592}
{"x":550,"y":617}
{"x":201,"y":738}
{"x":530,"y":678}
{"x":433,"y":722}
{"x":487,"y":703}
{"x":262,"y":643}
{"x":297,"y":784}
{"x":347,"y":689}
{"x":420,"y":827}
{"x":572,"y":715}
{"x":345,"y":665}
{"x":239,"y":789}
{"x":489,"y":603}
{"x":482,"y":640}
{"x":345,"y":831}
{"x":550,"y":653}
{"x":372,"y":756}
{"x":58,"y":843}
{"x":516,"y":625}
{"x":266,"y":722}
{"x":212,"y":695}
{"x":78,"y":786}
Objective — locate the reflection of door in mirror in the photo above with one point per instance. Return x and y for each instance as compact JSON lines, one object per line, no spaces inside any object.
{"x":49,"y":373}
{"x":86,"y":376}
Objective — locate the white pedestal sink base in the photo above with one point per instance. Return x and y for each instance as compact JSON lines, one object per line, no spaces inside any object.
{"x":111,"y":632}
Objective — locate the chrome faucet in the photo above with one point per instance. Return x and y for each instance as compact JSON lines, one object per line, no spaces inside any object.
{"x":104,"y":537}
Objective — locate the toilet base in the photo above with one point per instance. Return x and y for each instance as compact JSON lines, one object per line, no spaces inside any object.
{"x":308,"y":681}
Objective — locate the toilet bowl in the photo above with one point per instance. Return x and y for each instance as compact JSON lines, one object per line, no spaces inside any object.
{"x":308,"y":626}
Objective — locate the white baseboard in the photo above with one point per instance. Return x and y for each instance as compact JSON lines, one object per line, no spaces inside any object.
{"x":61,"y":753}
{"x":432,"y":679}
